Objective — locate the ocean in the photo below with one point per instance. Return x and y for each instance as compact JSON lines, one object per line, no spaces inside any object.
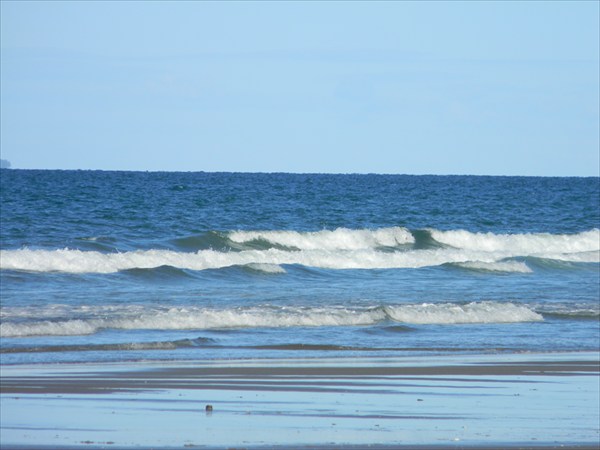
{"x":149,"y":266}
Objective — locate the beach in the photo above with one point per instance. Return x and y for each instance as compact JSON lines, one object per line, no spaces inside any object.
{"x":512,"y":401}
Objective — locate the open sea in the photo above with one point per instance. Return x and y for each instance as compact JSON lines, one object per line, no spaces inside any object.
{"x":135,"y":266}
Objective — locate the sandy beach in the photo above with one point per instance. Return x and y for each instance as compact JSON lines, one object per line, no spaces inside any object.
{"x":511,"y":401}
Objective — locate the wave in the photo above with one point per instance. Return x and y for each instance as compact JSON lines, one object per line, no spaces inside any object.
{"x":267,"y":316}
{"x":384,"y":248}
{"x":580,"y":311}
{"x":338,"y":239}
{"x":476,"y":312}
{"x":528,"y":244}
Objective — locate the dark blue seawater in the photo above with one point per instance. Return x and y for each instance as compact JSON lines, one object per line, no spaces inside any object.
{"x":125,"y":266}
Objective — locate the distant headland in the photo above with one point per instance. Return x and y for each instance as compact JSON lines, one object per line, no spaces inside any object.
{"x":4,"y":164}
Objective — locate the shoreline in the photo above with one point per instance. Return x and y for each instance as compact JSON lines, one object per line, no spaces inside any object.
{"x":143,"y":376}
{"x":529,"y":401}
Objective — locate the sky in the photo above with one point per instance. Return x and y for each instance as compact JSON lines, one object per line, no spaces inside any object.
{"x":474,"y":87}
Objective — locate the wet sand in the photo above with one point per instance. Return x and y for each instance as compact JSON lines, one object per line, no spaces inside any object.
{"x":510,"y":401}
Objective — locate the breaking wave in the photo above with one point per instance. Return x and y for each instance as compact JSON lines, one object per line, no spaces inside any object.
{"x":528,"y":244}
{"x":338,"y":239}
{"x":194,"y":318}
{"x":384,"y":248}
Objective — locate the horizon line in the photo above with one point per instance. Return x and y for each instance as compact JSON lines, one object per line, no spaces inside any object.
{"x":303,"y":173}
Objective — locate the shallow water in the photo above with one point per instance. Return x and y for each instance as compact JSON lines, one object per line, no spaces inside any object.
{"x":491,"y":401}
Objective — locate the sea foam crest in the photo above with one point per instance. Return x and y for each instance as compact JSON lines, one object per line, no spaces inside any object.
{"x":499,"y":266}
{"x":76,"y":261}
{"x":528,"y":244}
{"x":476,"y":312}
{"x":273,"y":317}
{"x":338,"y":239}
{"x":338,"y":249}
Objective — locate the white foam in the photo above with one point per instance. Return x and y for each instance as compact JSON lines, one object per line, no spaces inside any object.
{"x":449,"y":313}
{"x":134,"y":318}
{"x":529,"y":244}
{"x":76,"y":261}
{"x":266,"y":268}
{"x":338,"y":249}
{"x":201,"y":319}
{"x":48,"y":328}
{"x":583,"y":257}
{"x":338,"y":239}
{"x":500,"y":266}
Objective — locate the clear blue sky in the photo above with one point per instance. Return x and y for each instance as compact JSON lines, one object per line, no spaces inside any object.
{"x":499,"y":88}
